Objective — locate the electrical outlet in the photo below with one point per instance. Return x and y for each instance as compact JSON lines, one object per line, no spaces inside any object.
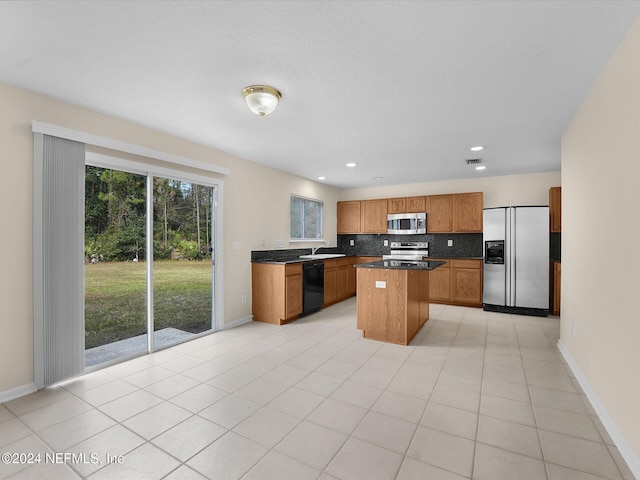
{"x":237,"y":245}
{"x":449,"y":243}
{"x":386,"y":243}
{"x":243,"y":298}
{"x":352,"y":243}
{"x":278,"y":243}
{"x":573,"y":329}
{"x":263,"y":242}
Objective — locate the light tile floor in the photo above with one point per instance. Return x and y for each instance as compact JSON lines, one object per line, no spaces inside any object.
{"x":477,"y":395}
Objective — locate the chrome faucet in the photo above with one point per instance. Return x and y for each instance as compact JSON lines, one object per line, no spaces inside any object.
{"x":315,"y":249}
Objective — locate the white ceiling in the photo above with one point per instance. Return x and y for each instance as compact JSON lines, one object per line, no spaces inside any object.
{"x":403,"y":88}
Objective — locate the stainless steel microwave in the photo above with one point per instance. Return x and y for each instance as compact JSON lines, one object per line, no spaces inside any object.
{"x":407,"y":223}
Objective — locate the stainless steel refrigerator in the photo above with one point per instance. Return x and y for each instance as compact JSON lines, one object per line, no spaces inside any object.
{"x":516,"y":260}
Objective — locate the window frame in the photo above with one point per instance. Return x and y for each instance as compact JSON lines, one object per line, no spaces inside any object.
{"x":321,"y":219}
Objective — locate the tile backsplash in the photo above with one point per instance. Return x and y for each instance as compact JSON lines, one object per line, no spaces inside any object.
{"x":464,"y":244}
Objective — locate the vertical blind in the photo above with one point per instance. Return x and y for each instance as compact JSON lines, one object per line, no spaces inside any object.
{"x":58,"y":238}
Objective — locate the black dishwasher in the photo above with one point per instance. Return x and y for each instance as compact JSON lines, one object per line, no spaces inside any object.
{"x":312,"y":287}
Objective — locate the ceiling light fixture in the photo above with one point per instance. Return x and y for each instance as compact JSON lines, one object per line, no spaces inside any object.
{"x":481,"y":167}
{"x":322,"y":178}
{"x":351,"y":164}
{"x":261,"y":99}
{"x":477,"y":148}
{"x":377,"y":178}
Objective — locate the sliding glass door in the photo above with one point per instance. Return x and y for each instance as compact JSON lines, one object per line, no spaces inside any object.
{"x":149,"y":262}
{"x":182,"y":268}
{"x":115,"y":275}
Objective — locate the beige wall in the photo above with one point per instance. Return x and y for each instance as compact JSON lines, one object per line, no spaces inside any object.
{"x":531,"y":189}
{"x":601,"y":239}
{"x":256,"y":206}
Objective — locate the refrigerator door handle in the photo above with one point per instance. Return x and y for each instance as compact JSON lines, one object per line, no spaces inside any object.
{"x":514,"y":285}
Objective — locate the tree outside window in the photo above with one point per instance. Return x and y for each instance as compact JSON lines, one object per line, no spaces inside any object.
{"x":306,"y":219}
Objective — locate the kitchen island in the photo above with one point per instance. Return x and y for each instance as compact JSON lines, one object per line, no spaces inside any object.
{"x":393,"y":299}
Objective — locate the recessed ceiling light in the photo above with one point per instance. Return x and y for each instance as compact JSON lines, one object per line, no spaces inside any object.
{"x":351,"y":164}
{"x":481,"y":167}
{"x":477,"y":148}
{"x":322,"y":178}
{"x":377,"y":178}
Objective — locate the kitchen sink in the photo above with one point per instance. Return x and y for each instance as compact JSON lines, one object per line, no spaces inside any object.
{"x":323,"y":256}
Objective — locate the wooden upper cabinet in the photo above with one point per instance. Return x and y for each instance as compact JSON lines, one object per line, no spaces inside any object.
{"x":416,"y":204}
{"x":467,"y":212}
{"x":397,"y":205}
{"x":555,"y":209}
{"x":407,"y":205}
{"x":439,"y":213}
{"x":374,"y":216}
{"x":349,"y":217}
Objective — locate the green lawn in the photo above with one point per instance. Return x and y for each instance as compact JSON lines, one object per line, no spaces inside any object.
{"x":115,"y":299}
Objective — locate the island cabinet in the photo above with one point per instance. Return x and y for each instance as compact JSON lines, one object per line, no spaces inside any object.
{"x":352,"y":271}
{"x":457,"y":282}
{"x":455,"y":213}
{"x":555,"y":209}
{"x":392,"y":305}
{"x":276,"y":292}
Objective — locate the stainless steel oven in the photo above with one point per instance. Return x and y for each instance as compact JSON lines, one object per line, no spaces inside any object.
{"x":411,"y":251}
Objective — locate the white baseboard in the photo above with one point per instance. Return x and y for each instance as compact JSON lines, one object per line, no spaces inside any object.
{"x":237,"y":323}
{"x":612,"y":429}
{"x":14,"y":393}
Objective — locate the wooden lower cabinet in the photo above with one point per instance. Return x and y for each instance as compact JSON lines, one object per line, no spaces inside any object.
{"x":439,"y":284}
{"x":293,"y":294}
{"x":330,"y":282}
{"x":340,"y":278}
{"x":458,"y":282}
{"x":277,"y":288}
{"x":276,"y":292}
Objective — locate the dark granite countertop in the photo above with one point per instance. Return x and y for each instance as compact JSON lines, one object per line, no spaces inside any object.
{"x":288,"y":260}
{"x":402,"y":264}
{"x":285,"y":261}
